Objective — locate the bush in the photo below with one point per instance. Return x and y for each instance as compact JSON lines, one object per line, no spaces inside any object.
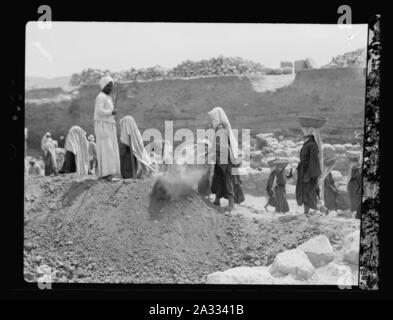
{"x":287,"y":70}
{"x":286,"y":64}
{"x":276,"y":72}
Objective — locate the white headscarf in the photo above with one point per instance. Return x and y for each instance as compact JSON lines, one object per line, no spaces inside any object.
{"x":131,"y":136}
{"x":105,"y":80}
{"x":219,"y":115}
{"x":77,"y":143}
{"x":49,"y":145}
{"x":44,"y":141}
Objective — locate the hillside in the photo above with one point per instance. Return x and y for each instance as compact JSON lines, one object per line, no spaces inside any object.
{"x":336,"y":93}
{"x":40,"y":82}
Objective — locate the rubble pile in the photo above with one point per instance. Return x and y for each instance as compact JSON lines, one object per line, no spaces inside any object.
{"x":218,"y":66}
{"x":352,"y":59}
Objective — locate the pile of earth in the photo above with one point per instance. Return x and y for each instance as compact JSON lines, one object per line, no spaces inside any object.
{"x":90,"y":230}
{"x":86,"y":230}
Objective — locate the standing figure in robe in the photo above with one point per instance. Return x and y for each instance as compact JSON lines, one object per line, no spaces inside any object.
{"x":77,"y":152}
{"x":134,"y":159}
{"x":108,"y":157}
{"x":355,"y":184}
{"x":225,"y":183}
{"x":308,"y":171}
{"x":276,"y":187}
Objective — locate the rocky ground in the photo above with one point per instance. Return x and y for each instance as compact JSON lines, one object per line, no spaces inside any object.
{"x":80,"y":229}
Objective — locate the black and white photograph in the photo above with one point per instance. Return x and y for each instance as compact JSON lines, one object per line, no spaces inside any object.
{"x":194,"y":153}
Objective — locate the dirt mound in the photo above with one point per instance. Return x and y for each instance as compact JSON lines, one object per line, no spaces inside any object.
{"x":91,"y":230}
{"x":88,"y":230}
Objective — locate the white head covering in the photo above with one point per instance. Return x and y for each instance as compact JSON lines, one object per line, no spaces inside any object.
{"x":77,"y":143}
{"x":219,"y":115}
{"x":105,"y":80}
{"x":49,"y":145}
{"x":44,"y":140}
{"x":131,"y":136}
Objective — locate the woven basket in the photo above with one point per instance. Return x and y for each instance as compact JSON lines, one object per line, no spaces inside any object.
{"x":312,"y":122}
{"x":329,"y":162}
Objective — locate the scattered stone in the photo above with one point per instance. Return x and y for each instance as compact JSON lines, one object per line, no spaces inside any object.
{"x":351,"y":247}
{"x":293,"y":262}
{"x":29,"y":246}
{"x":334,"y":274}
{"x":345,"y":214}
{"x":318,"y":250}
{"x":28,"y":277}
{"x":241,"y":275}
{"x":287,"y":218}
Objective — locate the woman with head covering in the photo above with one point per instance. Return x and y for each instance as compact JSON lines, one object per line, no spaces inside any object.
{"x":77,"y":152}
{"x":50,"y":157}
{"x":108,"y":158}
{"x":225,"y":182}
{"x":43,"y":142}
{"x":134,"y":160}
{"x":330,"y":189}
{"x":355,"y":183}
{"x":276,"y":187}
{"x":309,"y":170}
{"x":92,"y":154}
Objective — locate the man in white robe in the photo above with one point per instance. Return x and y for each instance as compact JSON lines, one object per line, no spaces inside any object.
{"x":108,"y":158}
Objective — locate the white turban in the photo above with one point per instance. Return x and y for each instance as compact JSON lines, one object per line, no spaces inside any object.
{"x":105,"y":80}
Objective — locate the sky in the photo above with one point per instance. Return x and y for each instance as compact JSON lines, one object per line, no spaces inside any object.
{"x":69,"y":47}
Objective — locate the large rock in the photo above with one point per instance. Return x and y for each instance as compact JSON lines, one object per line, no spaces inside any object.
{"x":282,"y":153}
{"x":318,"y":250}
{"x":241,"y":275}
{"x":335,"y":274}
{"x":351,"y":247}
{"x":294,"y":262}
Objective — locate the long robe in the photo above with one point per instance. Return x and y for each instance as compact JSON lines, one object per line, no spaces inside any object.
{"x":330,"y":192}
{"x":224,"y":183}
{"x":77,"y":143}
{"x":308,"y":172}
{"x":277,"y":195}
{"x":69,"y":164}
{"x":50,"y":165}
{"x":355,"y":190}
{"x":133,"y":150}
{"x":108,"y":158}
{"x":128,"y":162}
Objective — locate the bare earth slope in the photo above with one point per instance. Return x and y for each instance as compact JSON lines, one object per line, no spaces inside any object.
{"x":87,"y":230}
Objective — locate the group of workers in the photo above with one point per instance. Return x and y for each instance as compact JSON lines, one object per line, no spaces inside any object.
{"x":314,"y":177}
{"x":128,"y":158}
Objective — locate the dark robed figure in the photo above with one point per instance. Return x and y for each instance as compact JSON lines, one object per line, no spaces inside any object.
{"x":355,"y":189}
{"x":330,"y":192}
{"x":277,"y":194}
{"x":308,"y":172}
{"x":225,"y":183}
